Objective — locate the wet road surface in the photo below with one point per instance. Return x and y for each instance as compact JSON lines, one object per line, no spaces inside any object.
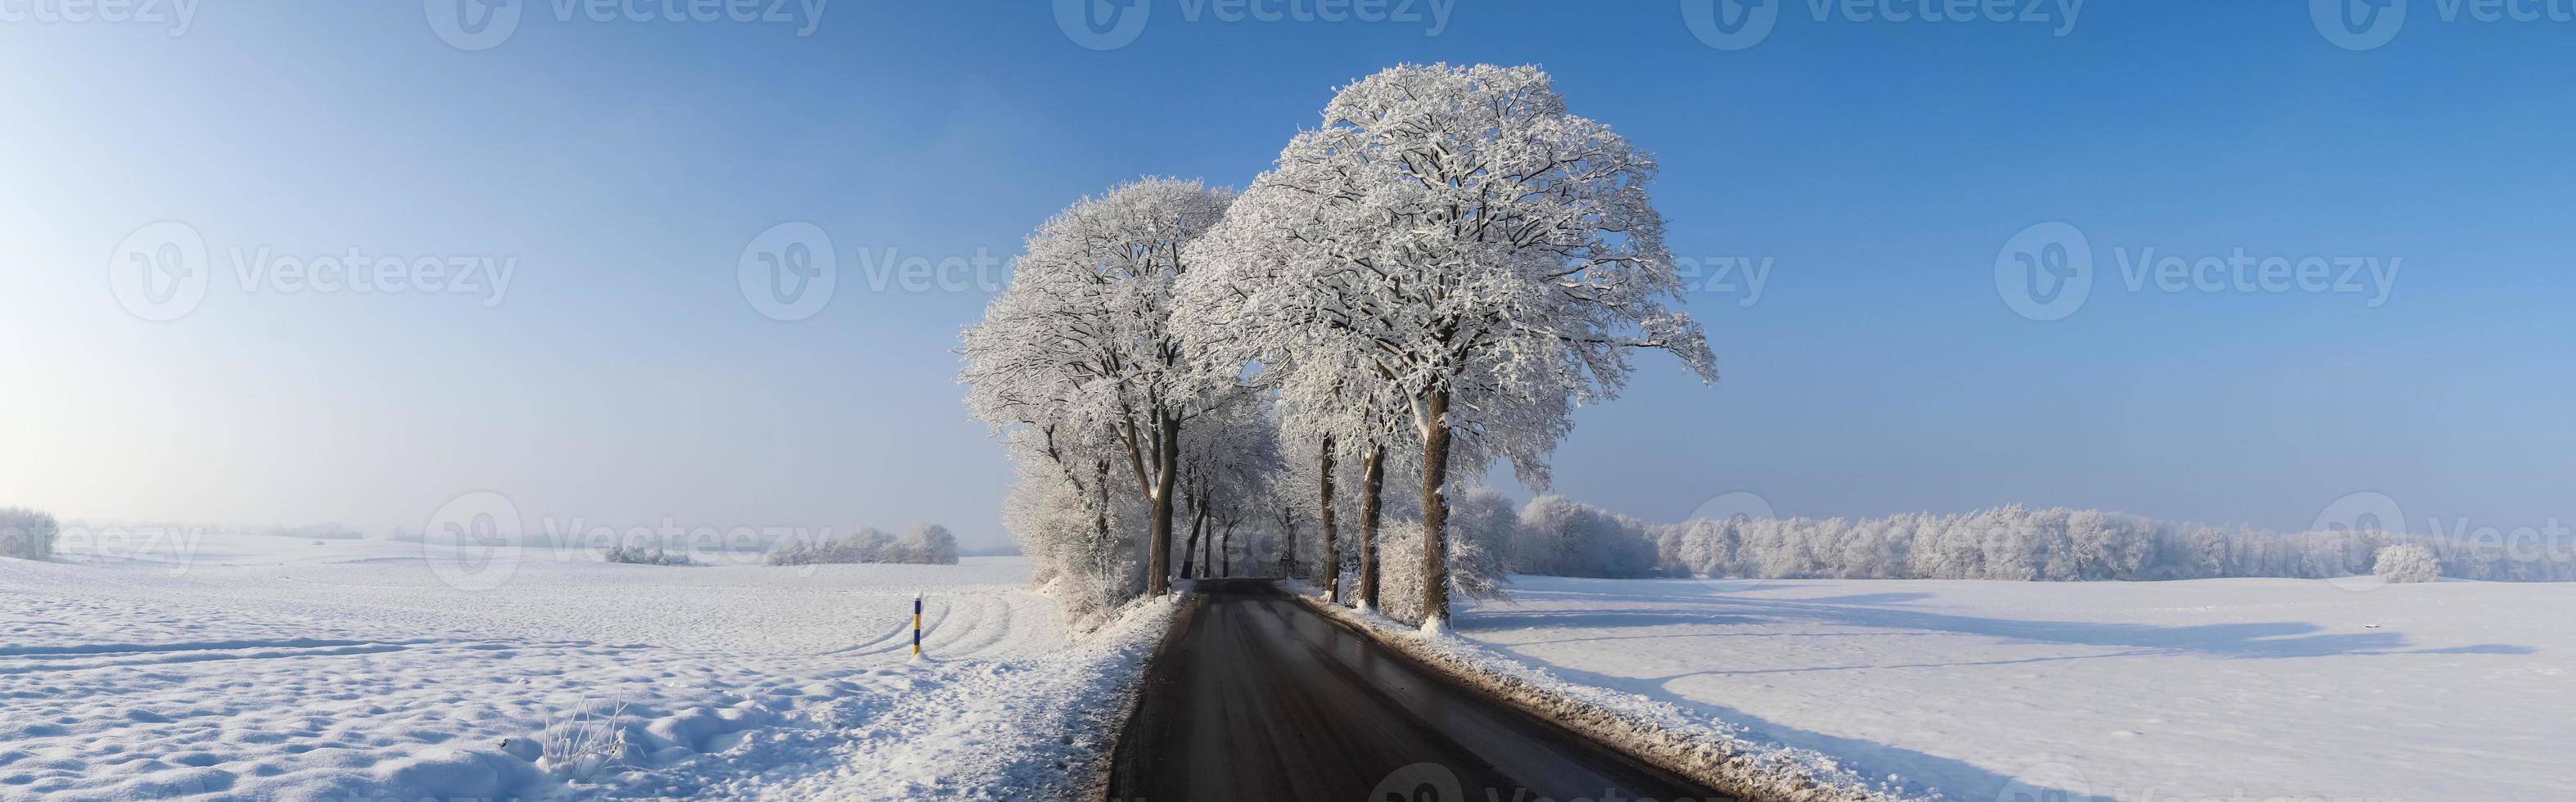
{"x":1256,"y":698}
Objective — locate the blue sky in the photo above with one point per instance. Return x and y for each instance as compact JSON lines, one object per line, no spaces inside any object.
{"x":620,"y":168}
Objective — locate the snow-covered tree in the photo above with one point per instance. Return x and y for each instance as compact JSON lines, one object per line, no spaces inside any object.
{"x":1479,"y":258}
{"x":1228,"y":466}
{"x":1562,"y":537}
{"x":927,"y":544}
{"x":1081,"y":342}
{"x":1079,"y":531}
{"x":1332,"y":412}
{"x":2407,"y":563}
{"x":1480,"y":527}
{"x":27,"y":534}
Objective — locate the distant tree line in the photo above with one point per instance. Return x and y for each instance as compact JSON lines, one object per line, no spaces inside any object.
{"x":1562,"y":537}
{"x":1556,"y":536}
{"x":927,"y":544}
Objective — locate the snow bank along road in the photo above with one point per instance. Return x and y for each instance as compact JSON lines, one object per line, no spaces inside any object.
{"x":275,"y":668}
{"x":1257,"y":698}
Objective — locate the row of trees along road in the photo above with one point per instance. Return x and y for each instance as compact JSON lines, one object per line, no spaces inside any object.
{"x":1427,"y":282}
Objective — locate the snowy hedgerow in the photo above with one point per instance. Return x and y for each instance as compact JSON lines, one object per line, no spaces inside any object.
{"x":646,"y":555}
{"x":2407,"y":563}
{"x":927,"y":544}
{"x":859,"y":547}
{"x":27,"y":534}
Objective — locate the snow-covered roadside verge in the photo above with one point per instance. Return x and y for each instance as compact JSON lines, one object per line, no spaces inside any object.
{"x":1038,"y":728}
{"x":1708,"y":750}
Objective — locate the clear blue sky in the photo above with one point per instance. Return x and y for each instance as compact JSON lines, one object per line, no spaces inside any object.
{"x":624,"y":378}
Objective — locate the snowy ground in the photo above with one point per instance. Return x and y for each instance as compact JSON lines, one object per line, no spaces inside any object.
{"x":295,"y":669}
{"x":2212,"y":689}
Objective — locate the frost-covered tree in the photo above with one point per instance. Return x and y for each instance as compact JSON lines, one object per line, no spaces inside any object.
{"x":1562,"y":537}
{"x":927,"y":544}
{"x":1332,"y":413}
{"x":1080,"y":536}
{"x":27,"y":534}
{"x":2407,"y":563}
{"x":1228,"y":467}
{"x":1328,"y":400}
{"x":1481,"y":526}
{"x":1081,"y":342}
{"x":1482,"y":259}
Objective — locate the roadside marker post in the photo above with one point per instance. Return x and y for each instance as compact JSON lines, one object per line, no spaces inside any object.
{"x":916,"y":626}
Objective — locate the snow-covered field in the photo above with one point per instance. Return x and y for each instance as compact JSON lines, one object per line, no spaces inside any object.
{"x":2225,"y":689}
{"x":284,"y":668}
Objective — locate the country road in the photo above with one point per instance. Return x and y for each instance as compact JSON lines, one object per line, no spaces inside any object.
{"x":1256,"y":698}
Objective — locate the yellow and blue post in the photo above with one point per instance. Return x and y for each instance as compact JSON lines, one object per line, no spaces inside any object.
{"x":916,"y":625}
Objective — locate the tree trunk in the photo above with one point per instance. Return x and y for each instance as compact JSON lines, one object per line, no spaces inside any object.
{"x":1372,"y":482}
{"x":1435,"y":509}
{"x":1105,"y":545}
{"x":1225,"y":550}
{"x":1332,"y":549}
{"x":1287,"y":542}
{"x":1207,"y":559}
{"x":1190,"y":549}
{"x":1158,"y":560}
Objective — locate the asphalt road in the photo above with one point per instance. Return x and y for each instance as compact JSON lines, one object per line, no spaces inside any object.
{"x":1256,"y":698}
